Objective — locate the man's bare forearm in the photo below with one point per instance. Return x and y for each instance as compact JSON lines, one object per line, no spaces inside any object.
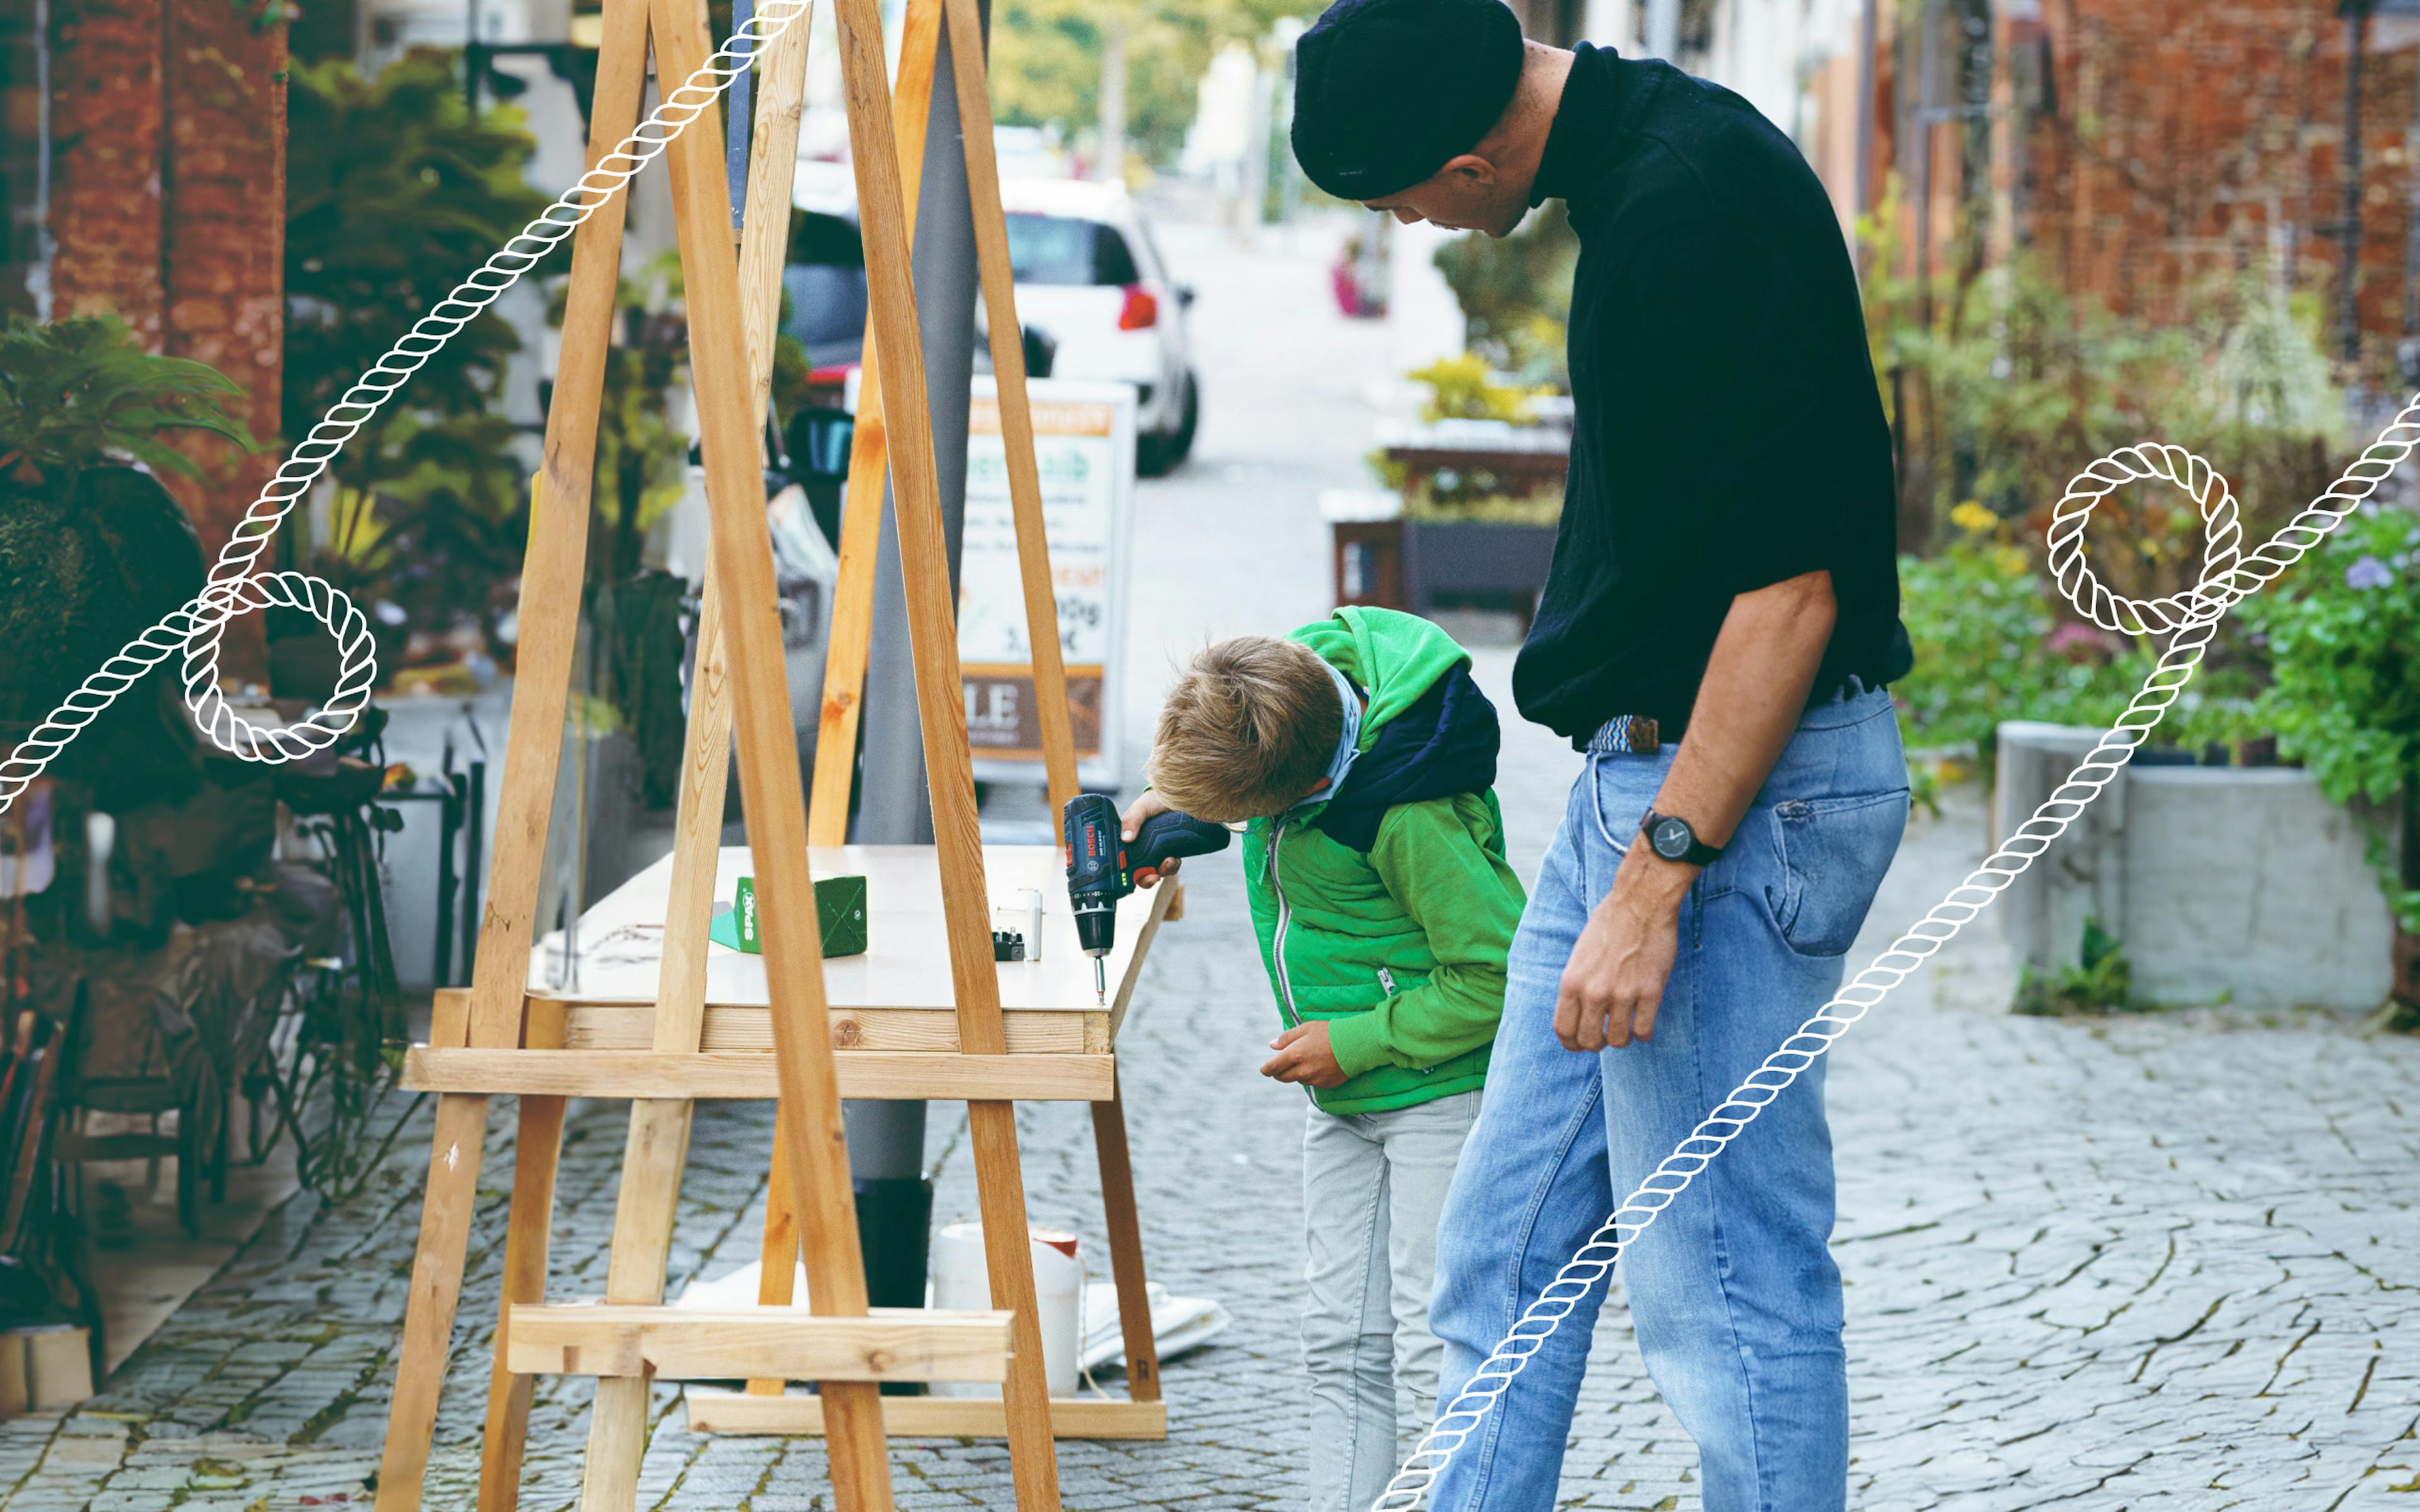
{"x":1749,"y":703}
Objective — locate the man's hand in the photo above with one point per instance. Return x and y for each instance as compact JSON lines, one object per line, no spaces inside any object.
{"x":1303,"y":1055}
{"x":1132,"y":822}
{"x":1614,"y":982}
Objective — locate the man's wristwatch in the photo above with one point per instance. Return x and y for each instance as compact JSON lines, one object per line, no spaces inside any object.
{"x":1670,"y":836}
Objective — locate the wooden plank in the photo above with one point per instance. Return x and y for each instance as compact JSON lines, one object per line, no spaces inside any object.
{"x":550,"y":614}
{"x":751,"y":1076}
{"x":629,"y":1026}
{"x":537,"y":1145}
{"x":1015,"y":411}
{"x":1125,"y":1224}
{"x":925,"y":1417}
{"x":657,"y":1146}
{"x":1166,"y":899}
{"x":851,"y":638}
{"x":767,"y":742}
{"x":632,"y":1343}
{"x":949,"y":771}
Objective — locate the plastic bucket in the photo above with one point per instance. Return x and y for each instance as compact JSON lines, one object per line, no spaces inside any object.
{"x":962,"y":1282}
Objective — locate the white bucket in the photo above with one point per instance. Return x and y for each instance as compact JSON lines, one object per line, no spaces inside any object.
{"x":961,"y":1282}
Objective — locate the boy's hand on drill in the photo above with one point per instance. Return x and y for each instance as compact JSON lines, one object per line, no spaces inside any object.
{"x":1132,"y":822}
{"x":1304,"y":1054}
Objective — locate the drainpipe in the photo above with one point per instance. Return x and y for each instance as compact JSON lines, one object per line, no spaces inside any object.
{"x":2349,"y":232}
{"x":1867,"y":66}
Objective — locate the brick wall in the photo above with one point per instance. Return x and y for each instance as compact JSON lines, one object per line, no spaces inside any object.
{"x":168,"y":203}
{"x":2181,"y":142}
{"x":107,"y":179}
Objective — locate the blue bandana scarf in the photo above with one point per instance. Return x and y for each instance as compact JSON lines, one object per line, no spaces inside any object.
{"x":1347,"y":744}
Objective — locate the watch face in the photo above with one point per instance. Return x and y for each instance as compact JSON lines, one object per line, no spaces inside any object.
{"x":1671,"y":838}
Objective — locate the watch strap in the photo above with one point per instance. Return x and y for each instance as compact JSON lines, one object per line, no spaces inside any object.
{"x":1699,"y":854}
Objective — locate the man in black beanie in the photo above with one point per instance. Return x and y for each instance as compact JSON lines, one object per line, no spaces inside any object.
{"x":1717,"y":632}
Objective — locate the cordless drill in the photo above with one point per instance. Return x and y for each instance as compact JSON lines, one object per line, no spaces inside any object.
{"x":1101,"y":867}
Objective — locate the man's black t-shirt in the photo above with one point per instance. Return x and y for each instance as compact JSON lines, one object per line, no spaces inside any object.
{"x":1728,"y":434}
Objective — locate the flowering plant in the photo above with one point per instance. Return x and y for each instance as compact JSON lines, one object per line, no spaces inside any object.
{"x":2345,"y":694}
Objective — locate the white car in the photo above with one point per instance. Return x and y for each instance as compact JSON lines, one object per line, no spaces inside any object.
{"x":1089,"y":275}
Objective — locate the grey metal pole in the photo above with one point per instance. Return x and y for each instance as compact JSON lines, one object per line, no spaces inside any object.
{"x":886,"y":1140}
{"x":894,"y":808}
{"x":736,"y":138}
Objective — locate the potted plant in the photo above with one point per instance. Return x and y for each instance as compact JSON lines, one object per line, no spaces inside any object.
{"x":93,"y":548}
{"x":2345,"y":698}
{"x":1481,"y":484}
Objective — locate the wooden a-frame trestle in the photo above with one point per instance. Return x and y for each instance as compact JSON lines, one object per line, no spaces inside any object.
{"x":499,"y":1036}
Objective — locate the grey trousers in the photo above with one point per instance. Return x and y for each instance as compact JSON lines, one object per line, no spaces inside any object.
{"x":1374,"y":1188}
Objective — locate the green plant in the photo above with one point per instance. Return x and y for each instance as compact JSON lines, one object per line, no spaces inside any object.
{"x":394,"y":190}
{"x":1515,"y":294}
{"x":640,"y":452}
{"x":2101,"y":982}
{"x":1464,"y":388}
{"x":1046,"y":64}
{"x":2345,"y":691}
{"x":92,"y":553}
{"x":1980,"y":618}
{"x":79,"y":393}
{"x":2000,"y":386}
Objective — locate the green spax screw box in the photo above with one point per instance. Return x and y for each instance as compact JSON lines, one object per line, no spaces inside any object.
{"x":840,"y":913}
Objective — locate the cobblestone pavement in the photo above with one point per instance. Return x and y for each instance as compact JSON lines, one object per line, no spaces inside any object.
{"x":2161,"y":1262}
{"x":2158,"y":1262}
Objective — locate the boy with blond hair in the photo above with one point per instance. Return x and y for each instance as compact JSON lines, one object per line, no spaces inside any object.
{"x":1361,"y":757}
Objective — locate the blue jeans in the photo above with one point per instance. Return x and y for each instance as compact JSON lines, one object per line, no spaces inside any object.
{"x":1733,"y":1291}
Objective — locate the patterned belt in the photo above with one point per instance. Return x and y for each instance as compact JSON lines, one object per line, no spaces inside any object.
{"x":1637,"y":734}
{"x":1626,"y":734}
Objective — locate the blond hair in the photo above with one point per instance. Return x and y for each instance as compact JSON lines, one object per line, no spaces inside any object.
{"x":1248,"y":728}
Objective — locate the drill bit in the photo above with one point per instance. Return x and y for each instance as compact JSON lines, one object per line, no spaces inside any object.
{"x":1100,"y":982}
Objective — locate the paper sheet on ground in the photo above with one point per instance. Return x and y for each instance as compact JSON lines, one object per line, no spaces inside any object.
{"x":1178,"y":1323}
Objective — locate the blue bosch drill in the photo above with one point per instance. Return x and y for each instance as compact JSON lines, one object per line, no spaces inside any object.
{"x":1101,"y":867}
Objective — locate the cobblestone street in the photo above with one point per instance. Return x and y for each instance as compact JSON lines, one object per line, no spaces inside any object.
{"x":2164,"y":1261}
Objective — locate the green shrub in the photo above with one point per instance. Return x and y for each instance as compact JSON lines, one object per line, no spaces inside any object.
{"x":1515,"y":294}
{"x":2340,"y":632}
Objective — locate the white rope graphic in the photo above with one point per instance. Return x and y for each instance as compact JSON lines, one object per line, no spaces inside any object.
{"x":197,"y":628}
{"x":234,"y":588}
{"x":2191,"y":619}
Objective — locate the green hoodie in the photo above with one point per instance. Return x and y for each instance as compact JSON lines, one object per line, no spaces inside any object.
{"x":1399,"y":944}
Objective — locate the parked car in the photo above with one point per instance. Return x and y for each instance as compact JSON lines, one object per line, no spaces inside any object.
{"x":1089,"y":272}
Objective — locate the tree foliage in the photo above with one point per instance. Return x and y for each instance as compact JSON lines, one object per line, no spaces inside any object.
{"x":1046,"y":60}
{"x":394,"y":192}
{"x":1515,"y":294}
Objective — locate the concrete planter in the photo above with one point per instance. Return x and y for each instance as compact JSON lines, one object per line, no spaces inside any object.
{"x":2222,"y":884}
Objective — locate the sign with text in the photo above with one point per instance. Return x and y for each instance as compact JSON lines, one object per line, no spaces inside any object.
{"x":1083,"y":444}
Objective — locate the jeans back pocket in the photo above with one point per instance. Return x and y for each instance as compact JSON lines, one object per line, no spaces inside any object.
{"x":1833,"y":853}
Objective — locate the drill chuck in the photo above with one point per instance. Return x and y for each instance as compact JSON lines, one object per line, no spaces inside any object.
{"x":1096,"y":926}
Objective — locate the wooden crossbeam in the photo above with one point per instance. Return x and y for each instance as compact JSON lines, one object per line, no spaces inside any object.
{"x":737,"y":1027}
{"x":926,"y":1417}
{"x":747,"y":1076}
{"x":677,"y":1344}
